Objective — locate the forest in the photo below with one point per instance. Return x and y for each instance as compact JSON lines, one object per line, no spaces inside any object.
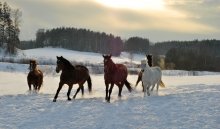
{"x":9,"y":27}
{"x":86,"y":40}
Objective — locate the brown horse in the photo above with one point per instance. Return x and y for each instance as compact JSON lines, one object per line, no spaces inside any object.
{"x":35,"y":76}
{"x":150,"y":63}
{"x":114,"y":74}
{"x":72,"y":75}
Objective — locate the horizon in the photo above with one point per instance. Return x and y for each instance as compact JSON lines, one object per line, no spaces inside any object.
{"x":156,"y":20}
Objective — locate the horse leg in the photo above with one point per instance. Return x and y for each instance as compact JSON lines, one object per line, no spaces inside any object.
{"x":82,"y":89}
{"x":69,"y":91}
{"x":158,"y":85}
{"x":143,"y":86}
{"x":29,"y":85}
{"x":58,"y":90}
{"x":120,"y":90}
{"x":77,"y":91}
{"x":153,"y":87}
{"x":110,"y":91}
{"x":35,"y":86}
{"x":40,"y":81}
{"x":106,"y":90}
{"x":148,"y":87}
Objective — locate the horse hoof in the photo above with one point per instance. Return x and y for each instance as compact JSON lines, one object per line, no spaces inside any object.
{"x":69,"y":99}
{"x":108,"y":100}
{"x":54,"y":100}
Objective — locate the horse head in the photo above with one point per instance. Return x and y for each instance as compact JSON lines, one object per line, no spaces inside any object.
{"x":33,"y":65}
{"x":59,"y":64}
{"x":150,"y":60}
{"x":107,"y":61}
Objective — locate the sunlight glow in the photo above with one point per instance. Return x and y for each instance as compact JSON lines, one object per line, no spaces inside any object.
{"x":134,"y":4}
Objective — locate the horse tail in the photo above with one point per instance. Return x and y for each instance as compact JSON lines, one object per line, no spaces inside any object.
{"x":128,"y":85}
{"x":89,"y":82}
{"x":162,"y":84}
{"x":41,"y":80}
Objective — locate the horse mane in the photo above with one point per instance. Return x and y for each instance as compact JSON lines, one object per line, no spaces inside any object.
{"x":66,"y":62}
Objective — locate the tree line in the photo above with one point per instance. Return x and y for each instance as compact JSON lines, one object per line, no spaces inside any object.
{"x":9,"y":27}
{"x":193,"y":55}
{"x":80,"y":40}
{"x":86,"y":40}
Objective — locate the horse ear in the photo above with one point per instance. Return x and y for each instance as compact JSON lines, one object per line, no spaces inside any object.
{"x":110,"y":55}
{"x":57,"y":57}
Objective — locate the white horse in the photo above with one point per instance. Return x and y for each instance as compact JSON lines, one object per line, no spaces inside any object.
{"x":151,"y":77}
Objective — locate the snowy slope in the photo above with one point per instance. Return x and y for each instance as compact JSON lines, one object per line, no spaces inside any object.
{"x":187,"y":102}
{"x":89,"y":57}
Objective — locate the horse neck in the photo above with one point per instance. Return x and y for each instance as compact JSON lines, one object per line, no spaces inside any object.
{"x":111,"y":66}
{"x":68,"y":68}
{"x":147,"y":66}
{"x":33,"y":69}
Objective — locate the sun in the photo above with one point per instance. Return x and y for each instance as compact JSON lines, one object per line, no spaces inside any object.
{"x":134,"y":4}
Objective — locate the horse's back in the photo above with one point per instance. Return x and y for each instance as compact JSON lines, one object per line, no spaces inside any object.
{"x":157,"y":70}
{"x":82,"y":67}
{"x":122,"y":70}
{"x":118,"y":75}
{"x":79,"y":74}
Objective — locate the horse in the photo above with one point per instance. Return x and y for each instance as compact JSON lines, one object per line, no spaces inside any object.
{"x":150,"y":62}
{"x":114,"y":74}
{"x":35,"y":76}
{"x":70,"y":75}
{"x":151,"y":77}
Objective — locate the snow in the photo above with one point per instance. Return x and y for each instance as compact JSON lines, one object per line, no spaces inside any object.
{"x":50,"y":53}
{"x":187,"y":101}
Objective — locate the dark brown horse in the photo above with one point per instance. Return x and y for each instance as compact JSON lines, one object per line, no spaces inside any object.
{"x":150,"y":63}
{"x":35,"y":76}
{"x":72,"y":75}
{"x":114,"y":74}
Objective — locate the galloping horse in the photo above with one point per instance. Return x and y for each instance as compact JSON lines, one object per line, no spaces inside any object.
{"x":150,"y":63}
{"x":72,"y":75}
{"x":35,"y":76}
{"x":151,"y":77}
{"x":114,"y":74}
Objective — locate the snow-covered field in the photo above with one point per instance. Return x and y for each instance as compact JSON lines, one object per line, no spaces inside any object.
{"x":187,"y":102}
{"x":87,"y":57}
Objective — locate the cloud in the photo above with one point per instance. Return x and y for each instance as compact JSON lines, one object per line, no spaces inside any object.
{"x":182,"y":17}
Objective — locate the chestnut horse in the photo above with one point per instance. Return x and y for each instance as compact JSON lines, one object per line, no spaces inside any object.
{"x":72,"y":75}
{"x":114,"y":74}
{"x":35,"y":76}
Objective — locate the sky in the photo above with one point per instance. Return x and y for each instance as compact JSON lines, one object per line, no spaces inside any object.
{"x":157,"y":20}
